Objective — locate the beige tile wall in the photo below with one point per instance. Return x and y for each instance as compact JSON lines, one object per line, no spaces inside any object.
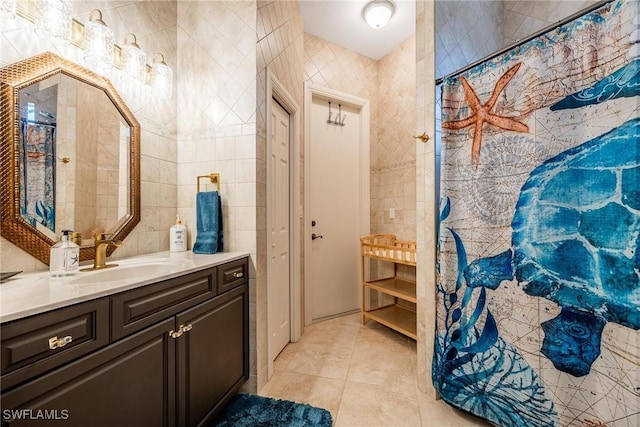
{"x":393,"y":153}
{"x":86,"y":162}
{"x":468,"y":30}
{"x":425,"y":193}
{"x":216,"y":129}
{"x":524,"y":18}
{"x":329,"y":65}
{"x":66,"y":136}
{"x":279,"y":49}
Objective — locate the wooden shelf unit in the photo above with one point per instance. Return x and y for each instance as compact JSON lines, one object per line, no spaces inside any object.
{"x":385,"y":247}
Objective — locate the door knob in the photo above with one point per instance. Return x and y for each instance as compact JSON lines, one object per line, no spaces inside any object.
{"x":315,"y":236}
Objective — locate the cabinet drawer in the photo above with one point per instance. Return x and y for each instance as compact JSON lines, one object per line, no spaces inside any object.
{"x":45,"y":341}
{"x":136,"y":309}
{"x":233,"y":274}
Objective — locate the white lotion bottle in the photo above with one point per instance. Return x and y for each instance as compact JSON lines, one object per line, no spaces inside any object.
{"x":178,"y":236}
{"x":64,"y":257}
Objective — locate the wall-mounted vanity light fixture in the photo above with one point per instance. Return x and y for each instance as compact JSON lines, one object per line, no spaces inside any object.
{"x":98,"y":42}
{"x":377,"y":13}
{"x":133,"y":60}
{"x":7,"y":9}
{"x":53,"y":19}
{"x":161,"y":76}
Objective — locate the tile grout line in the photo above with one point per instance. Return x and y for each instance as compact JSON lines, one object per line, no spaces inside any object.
{"x":344,"y":384}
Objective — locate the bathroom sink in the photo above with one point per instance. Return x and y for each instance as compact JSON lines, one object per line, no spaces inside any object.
{"x":130,"y":271}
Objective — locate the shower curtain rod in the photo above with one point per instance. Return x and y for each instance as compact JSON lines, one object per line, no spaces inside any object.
{"x":531,"y":37}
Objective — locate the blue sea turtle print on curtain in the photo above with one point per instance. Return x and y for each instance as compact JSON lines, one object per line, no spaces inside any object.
{"x":576,"y":242}
{"x":477,"y":370}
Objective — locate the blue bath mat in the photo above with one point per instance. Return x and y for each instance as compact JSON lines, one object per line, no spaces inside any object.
{"x":251,"y":410}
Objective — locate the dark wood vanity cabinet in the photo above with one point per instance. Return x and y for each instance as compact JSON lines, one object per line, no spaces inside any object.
{"x":179,"y":370}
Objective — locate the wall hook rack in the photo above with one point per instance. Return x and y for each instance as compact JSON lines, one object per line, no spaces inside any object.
{"x":339,"y":118}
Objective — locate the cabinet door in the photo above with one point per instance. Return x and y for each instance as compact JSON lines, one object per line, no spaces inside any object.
{"x":213,"y":356}
{"x":129,"y":383}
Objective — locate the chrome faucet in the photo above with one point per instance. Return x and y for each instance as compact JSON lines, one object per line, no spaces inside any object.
{"x":101,"y":244}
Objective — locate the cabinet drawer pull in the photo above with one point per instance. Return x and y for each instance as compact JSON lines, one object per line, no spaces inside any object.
{"x":176,"y":334}
{"x":56,"y":342}
{"x":238,"y":274}
{"x":181,"y":330}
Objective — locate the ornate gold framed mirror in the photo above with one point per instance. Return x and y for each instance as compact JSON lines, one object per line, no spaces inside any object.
{"x":70,"y":156}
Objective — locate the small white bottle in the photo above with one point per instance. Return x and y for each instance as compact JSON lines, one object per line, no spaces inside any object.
{"x":178,"y":236}
{"x":64,"y":257}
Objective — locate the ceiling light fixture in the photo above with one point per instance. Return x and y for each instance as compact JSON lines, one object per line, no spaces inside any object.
{"x":378,"y":13}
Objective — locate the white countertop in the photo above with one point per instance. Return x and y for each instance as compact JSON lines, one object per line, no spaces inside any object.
{"x":32,"y":293}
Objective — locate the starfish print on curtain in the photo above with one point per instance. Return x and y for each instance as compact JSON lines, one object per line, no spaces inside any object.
{"x":482,"y":113}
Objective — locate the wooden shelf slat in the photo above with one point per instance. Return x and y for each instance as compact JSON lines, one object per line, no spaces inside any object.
{"x":387,"y":248}
{"x":400,"y":288}
{"x":396,"y":317}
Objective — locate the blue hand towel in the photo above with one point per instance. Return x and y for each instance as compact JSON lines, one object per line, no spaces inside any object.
{"x":208,"y":223}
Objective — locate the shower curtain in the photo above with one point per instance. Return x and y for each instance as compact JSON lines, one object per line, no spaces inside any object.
{"x":37,"y":174}
{"x":538,"y":288}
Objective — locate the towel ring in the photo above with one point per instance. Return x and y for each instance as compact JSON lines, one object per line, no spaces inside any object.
{"x":213,"y":177}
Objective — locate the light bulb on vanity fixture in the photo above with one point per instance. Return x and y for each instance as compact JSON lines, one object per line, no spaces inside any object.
{"x":133,"y":60}
{"x":98,"y":42}
{"x":52,"y":18}
{"x":7,"y":9}
{"x":377,"y":13}
{"x":161,"y":77}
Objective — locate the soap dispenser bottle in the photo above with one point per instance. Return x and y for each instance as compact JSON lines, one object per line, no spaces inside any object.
{"x":178,"y":236}
{"x":65,"y":256}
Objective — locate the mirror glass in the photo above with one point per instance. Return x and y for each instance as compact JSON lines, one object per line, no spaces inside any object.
{"x":72,"y":155}
{"x":74,"y":158}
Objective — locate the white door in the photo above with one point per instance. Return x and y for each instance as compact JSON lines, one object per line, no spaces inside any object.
{"x":279,"y":254}
{"x":334,"y":209}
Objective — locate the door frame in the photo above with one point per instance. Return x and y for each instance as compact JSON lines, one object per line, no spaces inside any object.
{"x":362,"y":104}
{"x":277,"y":91}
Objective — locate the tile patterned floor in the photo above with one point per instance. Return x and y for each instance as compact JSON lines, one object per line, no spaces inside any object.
{"x":365,"y":375}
